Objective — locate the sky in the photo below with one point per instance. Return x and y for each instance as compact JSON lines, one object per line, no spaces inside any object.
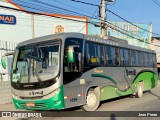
{"x":136,"y":11}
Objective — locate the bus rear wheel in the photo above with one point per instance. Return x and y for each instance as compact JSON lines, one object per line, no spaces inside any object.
{"x":139,"y":93}
{"x":92,"y":101}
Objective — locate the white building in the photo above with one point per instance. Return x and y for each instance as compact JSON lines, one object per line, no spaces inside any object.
{"x":26,"y":26}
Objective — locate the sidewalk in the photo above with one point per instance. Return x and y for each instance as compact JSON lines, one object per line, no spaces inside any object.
{"x":9,"y":107}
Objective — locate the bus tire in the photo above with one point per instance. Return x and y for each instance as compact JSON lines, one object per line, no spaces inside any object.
{"x":92,"y":101}
{"x":139,"y":93}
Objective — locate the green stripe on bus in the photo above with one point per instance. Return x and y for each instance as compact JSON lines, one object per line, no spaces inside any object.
{"x":109,"y":92}
{"x":149,"y":79}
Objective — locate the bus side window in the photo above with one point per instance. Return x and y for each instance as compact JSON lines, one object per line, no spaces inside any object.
{"x":117,"y":56}
{"x":125,"y":59}
{"x":100,"y":54}
{"x":109,"y":55}
{"x":154,"y":60}
{"x":150,"y":60}
{"x":134,"y":58}
{"x":112,"y":55}
{"x":92,"y":58}
{"x":139,"y":58}
{"x":144,"y":59}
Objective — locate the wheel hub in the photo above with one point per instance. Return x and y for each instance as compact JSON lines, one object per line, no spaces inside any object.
{"x":91,"y":100}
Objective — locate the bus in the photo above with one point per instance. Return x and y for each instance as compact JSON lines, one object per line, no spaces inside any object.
{"x":72,"y":69}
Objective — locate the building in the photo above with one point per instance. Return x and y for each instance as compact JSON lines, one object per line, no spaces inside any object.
{"x":19,"y":26}
{"x":156,"y":47}
{"x":126,"y":28}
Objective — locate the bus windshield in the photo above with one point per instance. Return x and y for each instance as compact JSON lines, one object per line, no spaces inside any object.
{"x":35,"y":65}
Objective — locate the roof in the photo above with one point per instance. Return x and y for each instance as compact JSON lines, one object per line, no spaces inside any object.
{"x":62,"y":36}
{"x":50,"y":37}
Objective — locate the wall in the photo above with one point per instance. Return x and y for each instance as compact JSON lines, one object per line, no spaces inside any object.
{"x":5,"y":89}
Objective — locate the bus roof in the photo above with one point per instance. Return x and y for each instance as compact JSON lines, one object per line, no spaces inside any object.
{"x":50,"y":37}
{"x":62,"y":36}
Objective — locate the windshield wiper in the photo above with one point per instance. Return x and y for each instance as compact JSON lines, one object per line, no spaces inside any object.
{"x":39,"y":80}
{"x":20,"y":78}
{"x":34,"y":70}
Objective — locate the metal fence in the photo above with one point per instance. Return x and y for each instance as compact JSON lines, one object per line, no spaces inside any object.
{"x":5,"y":88}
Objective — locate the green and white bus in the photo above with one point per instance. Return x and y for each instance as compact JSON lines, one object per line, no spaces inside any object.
{"x":72,"y":69}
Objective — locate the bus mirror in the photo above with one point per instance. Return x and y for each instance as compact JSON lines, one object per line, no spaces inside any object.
{"x":4,"y":59}
{"x":71,"y":55}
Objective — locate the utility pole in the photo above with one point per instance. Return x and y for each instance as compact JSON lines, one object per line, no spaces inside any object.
{"x":103,"y":18}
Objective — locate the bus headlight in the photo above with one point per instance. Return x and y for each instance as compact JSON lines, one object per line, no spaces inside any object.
{"x":15,"y":96}
{"x":55,"y":92}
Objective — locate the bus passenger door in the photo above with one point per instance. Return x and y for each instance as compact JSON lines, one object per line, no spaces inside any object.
{"x":72,"y":71}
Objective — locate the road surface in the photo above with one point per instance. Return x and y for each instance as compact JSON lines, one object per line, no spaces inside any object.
{"x":149,"y":102}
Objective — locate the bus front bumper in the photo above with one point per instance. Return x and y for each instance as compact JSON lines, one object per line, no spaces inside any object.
{"x":54,"y":103}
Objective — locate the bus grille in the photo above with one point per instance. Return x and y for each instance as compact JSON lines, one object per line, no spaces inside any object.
{"x":31,"y":98}
{"x":37,"y":105}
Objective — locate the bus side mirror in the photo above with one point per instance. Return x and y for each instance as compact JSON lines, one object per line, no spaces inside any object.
{"x":71,"y":55}
{"x":4,"y":59}
{"x":3,"y":62}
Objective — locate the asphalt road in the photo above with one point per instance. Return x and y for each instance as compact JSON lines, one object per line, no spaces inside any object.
{"x":149,"y":102}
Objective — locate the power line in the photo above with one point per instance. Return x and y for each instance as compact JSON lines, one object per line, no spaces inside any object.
{"x":60,"y":10}
{"x":14,"y":9}
{"x":120,"y":16}
{"x":156,"y":2}
{"x":50,"y":5}
{"x":73,"y":20}
{"x":34,"y":6}
{"x":90,"y":19}
{"x":85,"y":3}
{"x":108,"y":23}
{"x":71,"y":6}
{"x":86,"y":16}
{"x":132,"y":23}
{"x":42,"y":8}
{"x":121,"y":29}
{"x":78,"y":13}
{"x":41,"y":14}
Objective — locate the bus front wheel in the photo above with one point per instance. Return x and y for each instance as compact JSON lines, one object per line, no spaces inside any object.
{"x":92,"y":101}
{"x":139,"y":93}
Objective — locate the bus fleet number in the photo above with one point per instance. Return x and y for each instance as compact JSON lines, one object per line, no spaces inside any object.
{"x":73,"y":99}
